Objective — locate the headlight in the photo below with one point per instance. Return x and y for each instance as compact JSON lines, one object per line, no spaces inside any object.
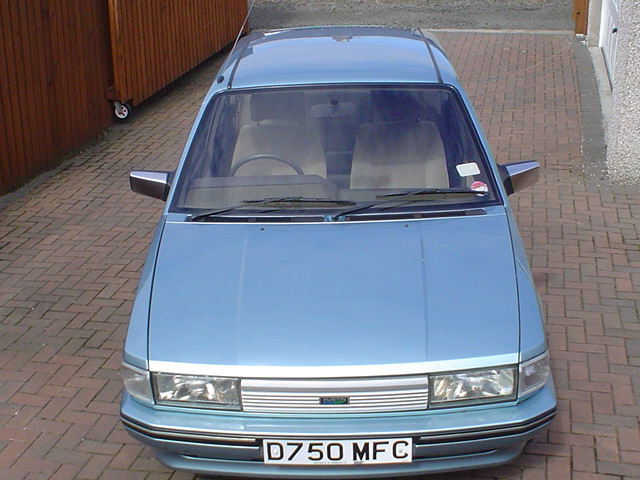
{"x":136,"y":383}
{"x":472,"y":387}
{"x":534,"y":375}
{"x":198,"y":391}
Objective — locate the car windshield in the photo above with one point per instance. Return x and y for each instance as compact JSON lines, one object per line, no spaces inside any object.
{"x":361,"y":149}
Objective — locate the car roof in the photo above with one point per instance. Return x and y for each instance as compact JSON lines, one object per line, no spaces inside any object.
{"x":334,"y":55}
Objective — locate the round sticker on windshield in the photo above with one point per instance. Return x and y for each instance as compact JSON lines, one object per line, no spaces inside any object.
{"x":468,"y":169}
{"x":479,"y":187}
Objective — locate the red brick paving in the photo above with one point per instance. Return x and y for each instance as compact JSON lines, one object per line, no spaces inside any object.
{"x":72,"y":248}
{"x":583,"y":245}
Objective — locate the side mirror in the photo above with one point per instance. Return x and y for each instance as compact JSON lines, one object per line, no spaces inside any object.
{"x":519,"y":175}
{"x":152,"y":183}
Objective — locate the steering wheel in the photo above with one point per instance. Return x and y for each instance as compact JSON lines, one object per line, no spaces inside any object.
{"x":260,"y":156}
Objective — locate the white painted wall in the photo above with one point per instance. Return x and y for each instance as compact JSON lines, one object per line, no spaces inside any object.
{"x":622,"y":122}
{"x":593,"y":22}
{"x":623,"y":132}
{"x":608,"y":40}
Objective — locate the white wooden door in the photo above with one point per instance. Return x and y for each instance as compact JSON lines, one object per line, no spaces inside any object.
{"x":609,"y":34}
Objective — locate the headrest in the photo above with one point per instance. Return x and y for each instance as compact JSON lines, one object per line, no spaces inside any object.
{"x":287,"y":106}
{"x":395,"y":106}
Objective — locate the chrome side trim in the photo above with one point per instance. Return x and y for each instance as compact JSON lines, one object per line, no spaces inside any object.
{"x":332,"y":371}
{"x":251,"y":439}
{"x":189,"y":436}
{"x":467,"y":435}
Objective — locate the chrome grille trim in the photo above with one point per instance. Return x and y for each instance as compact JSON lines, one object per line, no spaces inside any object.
{"x":389,"y":394}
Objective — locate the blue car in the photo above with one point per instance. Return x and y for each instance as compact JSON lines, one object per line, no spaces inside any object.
{"x":337,"y":286}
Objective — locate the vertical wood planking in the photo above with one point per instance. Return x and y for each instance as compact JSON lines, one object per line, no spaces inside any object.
{"x":16,"y":86}
{"x":38,"y":61}
{"x":11,"y":79}
{"x":54,"y":72}
{"x":59,"y":58}
{"x":10,"y":130}
{"x":160,"y":40}
{"x":580,"y":16}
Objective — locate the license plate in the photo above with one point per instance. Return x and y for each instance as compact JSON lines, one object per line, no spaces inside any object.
{"x":338,"y":452}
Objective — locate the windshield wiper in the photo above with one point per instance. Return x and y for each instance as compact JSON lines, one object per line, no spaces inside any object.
{"x":274,"y":204}
{"x":425,"y":192}
{"x":297,"y":201}
{"x":408,"y":196}
{"x":350,"y":211}
{"x":213,"y":213}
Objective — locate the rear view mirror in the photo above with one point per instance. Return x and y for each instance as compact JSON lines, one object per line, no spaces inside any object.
{"x":152,"y":183}
{"x":519,"y":175}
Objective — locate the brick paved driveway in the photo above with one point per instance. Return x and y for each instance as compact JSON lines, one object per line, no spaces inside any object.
{"x":72,"y":248}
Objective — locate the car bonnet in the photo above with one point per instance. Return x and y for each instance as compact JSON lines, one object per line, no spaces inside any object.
{"x":332,"y":295}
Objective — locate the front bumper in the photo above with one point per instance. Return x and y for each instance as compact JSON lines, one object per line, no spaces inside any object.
{"x":231,"y":443}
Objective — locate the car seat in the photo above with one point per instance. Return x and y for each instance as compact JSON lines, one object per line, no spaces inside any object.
{"x":278,"y":128}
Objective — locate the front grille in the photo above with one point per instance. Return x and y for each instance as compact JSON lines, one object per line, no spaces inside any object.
{"x":389,"y":394}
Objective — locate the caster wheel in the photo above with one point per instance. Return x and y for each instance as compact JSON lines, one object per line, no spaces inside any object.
{"x":121,"y":111}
